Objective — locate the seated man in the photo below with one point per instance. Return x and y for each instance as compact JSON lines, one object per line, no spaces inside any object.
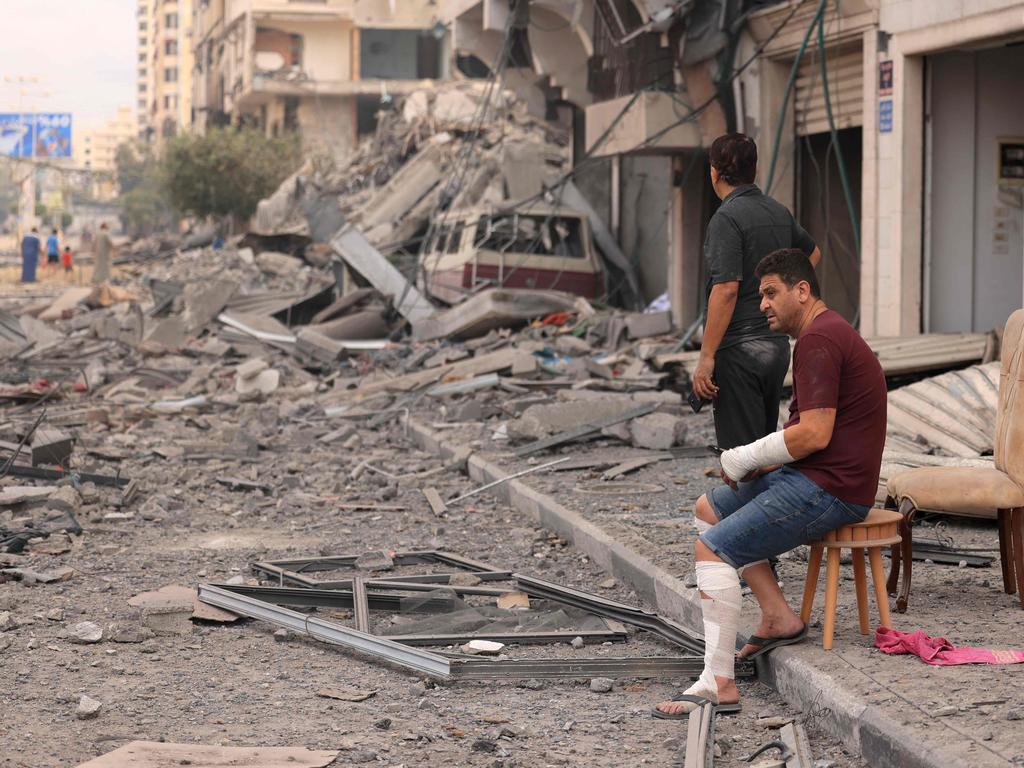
{"x":818,"y":473}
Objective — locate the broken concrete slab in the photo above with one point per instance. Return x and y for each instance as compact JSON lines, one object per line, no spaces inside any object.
{"x":153,"y":754}
{"x":319,"y":346}
{"x":494,"y":308}
{"x":657,"y":431}
{"x":280,"y":264}
{"x":360,"y":255}
{"x":205,"y":300}
{"x":643,"y":325}
{"x":175,"y":595}
{"x":17,"y":494}
{"x":367,"y":324}
{"x":66,"y":302}
{"x":539,"y":421}
{"x":51,"y":446}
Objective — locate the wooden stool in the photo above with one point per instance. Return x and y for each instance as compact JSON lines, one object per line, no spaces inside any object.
{"x":879,"y":529}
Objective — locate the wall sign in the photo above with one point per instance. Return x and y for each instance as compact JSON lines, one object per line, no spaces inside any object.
{"x":885,"y":76}
{"x":885,"y":116}
{"x":1010,"y":168}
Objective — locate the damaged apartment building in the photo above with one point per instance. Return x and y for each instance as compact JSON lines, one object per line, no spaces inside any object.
{"x":839,"y":94}
{"x":322,"y":69}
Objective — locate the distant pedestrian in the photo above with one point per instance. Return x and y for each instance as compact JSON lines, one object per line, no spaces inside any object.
{"x":102,"y":252}
{"x":53,"y":249}
{"x":66,"y":258}
{"x":30,"y":246}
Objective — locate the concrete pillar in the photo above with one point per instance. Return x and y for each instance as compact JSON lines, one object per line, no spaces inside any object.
{"x":869,"y":190}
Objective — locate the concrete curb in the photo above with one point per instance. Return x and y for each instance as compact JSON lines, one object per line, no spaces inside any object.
{"x":861,"y":726}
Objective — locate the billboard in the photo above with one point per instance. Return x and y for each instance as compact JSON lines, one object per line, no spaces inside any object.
{"x":35,"y":134}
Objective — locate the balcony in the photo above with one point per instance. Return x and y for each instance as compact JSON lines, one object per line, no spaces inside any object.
{"x":652,"y":113}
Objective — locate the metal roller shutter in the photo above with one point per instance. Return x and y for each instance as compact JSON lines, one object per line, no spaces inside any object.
{"x":845,"y":87}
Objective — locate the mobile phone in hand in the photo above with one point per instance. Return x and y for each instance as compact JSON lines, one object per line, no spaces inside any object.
{"x":696,"y":403}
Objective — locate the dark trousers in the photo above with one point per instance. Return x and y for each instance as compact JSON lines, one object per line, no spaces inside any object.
{"x":749,"y":376}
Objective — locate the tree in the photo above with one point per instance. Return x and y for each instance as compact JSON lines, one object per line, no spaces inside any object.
{"x":142,"y":201}
{"x":227,"y":171}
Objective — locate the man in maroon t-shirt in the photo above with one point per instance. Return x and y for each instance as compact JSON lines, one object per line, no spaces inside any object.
{"x":817,"y":474}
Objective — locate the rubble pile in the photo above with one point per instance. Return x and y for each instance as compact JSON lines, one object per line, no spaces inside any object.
{"x":454,"y":146}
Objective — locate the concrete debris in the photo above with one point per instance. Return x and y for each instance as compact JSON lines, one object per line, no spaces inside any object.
{"x":153,"y":754}
{"x":601,"y":685}
{"x":85,"y":632}
{"x":88,"y":708}
{"x":375,"y":561}
{"x":486,"y":647}
{"x":657,"y":431}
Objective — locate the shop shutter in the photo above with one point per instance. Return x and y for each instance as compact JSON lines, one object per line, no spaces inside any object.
{"x":846,"y":90}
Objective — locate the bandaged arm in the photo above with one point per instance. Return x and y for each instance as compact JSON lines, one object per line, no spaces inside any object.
{"x":812,"y":433}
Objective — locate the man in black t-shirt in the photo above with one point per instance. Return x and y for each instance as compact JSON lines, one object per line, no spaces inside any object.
{"x":747,"y":360}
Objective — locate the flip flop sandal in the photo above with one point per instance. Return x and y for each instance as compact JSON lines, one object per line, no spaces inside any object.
{"x":766,"y":644}
{"x":720,"y":709}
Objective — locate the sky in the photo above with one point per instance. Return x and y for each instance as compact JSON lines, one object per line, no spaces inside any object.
{"x":82,"y":52}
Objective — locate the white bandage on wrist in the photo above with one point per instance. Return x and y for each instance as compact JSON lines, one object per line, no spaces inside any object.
{"x":720,"y":582}
{"x":740,"y":461}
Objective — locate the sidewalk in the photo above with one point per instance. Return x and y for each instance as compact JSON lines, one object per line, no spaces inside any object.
{"x":895,"y":711}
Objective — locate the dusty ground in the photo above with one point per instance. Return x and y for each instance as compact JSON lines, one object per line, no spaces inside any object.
{"x":978,"y":711}
{"x":234,"y":685}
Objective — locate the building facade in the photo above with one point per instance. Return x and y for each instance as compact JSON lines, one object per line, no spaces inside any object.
{"x":321,"y":69}
{"x":96,"y":150}
{"x":165,"y":65}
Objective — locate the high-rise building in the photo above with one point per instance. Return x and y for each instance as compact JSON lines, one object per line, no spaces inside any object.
{"x":164,"y":68}
{"x":96,"y":150}
{"x":320,"y":69}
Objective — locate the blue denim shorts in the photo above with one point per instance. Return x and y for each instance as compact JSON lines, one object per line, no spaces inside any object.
{"x":773,"y":514}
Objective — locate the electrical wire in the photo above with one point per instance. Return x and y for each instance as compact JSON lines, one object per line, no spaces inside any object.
{"x":789,"y":90}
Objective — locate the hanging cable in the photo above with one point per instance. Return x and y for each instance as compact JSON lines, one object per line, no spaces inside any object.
{"x":789,"y":90}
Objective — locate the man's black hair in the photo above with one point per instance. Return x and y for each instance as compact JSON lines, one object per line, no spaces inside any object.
{"x":792,"y":266}
{"x":734,"y":156}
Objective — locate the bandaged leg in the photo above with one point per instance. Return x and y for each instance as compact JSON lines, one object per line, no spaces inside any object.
{"x":702,"y":526}
{"x":721,"y":608}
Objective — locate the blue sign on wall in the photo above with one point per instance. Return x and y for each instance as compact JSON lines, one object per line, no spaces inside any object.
{"x":885,"y":116}
{"x":42,"y":134}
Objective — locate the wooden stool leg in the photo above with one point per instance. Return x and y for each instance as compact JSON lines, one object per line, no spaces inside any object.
{"x":811,"y":583}
{"x":1017,"y":542}
{"x":877,"y":576}
{"x":1006,"y":550}
{"x":860,"y":579}
{"x":908,"y":510}
{"x":831,"y":595}
{"x":894,"y":558}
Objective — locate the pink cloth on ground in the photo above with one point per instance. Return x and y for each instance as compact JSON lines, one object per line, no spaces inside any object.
{"x":938,"y":651}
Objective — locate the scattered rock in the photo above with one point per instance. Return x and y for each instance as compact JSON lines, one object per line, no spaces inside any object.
{"x":7,"y":621}
{"x":609,"y":583}
{"x":601,"y":684}
{"x":824,"y":763}
{"x":485,"y":745}
{"x":483,"y":647}
{"x":55,"y":614}
{"x":657,"y":431}
{"x":427,"y":705}
{"x":383,"y":724}
{"x":85,"y":632}
{"x":672,"y":744}
{"x":774,"y":721}
{"x":531,"y":684}
{"x":375,"y":561}
{"x":945,"y":711}
{"x":127,"y":632}
{"x":576,"y":642}
{"x":282,"y":635}
{"x":88,"y":707}
{"x":359,"y":756}
{"x":345,"y":693}
{"x":1015,"y":714}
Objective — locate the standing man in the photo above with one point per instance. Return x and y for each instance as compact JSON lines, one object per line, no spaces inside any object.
{"x":52,"y":250}
{"x":102,"y":255}
{"x":742,"y":362}
{"x":30,"y":245}
{"x":817,"y":474}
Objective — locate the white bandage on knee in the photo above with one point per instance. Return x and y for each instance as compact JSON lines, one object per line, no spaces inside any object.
{"x":720,"y":582}
{"x":771,"y":449}
{"x":702,"y":526}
